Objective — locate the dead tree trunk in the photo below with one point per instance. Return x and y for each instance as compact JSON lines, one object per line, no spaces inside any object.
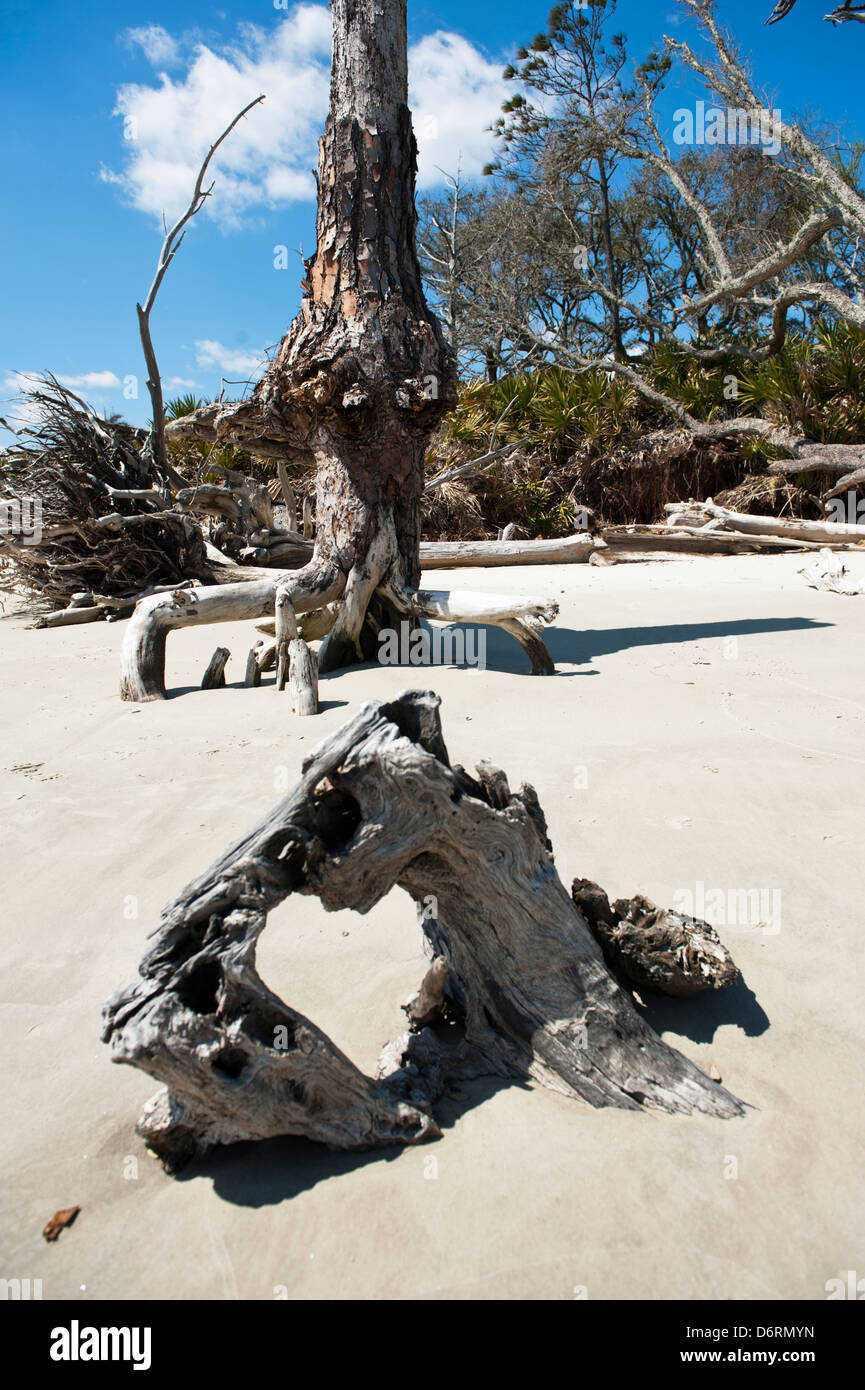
{"x":379,"y":805}
{"x":363,"y":376}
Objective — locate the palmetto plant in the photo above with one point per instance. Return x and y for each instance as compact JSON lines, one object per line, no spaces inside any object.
{"x":182,"y":405}
{"x":815,"y":385}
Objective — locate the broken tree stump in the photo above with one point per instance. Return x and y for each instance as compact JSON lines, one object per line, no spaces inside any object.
{"x":378,"y":805}
{"x":302,"y":677}
{"x":214,"y":676}
{"x":656,"y":948}
{"x":296,"y":664}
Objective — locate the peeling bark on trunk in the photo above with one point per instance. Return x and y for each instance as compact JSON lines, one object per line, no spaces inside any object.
{"x":379,"y":805}
{"x":364,"y":374}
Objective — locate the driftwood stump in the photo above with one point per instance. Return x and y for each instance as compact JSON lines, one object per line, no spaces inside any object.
{"x":378,"y":804}
{"x":214,"y":676}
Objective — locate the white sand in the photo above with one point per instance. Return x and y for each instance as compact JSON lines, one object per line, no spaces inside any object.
{"x":741,"y":770}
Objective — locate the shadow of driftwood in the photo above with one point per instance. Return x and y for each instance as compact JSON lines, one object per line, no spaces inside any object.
{"x":699,"y":1017}
{"x":268,"y":1171}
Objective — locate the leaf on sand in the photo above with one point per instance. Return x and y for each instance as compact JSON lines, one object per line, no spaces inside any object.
{"x":61,"y":1218}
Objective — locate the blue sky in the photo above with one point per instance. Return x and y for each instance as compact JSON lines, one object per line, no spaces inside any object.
{"x":109,"y":109}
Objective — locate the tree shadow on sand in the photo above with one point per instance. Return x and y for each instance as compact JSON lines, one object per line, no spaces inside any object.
{"x":579,"y":648}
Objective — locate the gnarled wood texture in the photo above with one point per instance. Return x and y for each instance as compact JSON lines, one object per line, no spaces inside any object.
{"x":379,"y":805}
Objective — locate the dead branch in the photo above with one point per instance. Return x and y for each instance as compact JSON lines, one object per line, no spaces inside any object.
{"x":170,"y":246}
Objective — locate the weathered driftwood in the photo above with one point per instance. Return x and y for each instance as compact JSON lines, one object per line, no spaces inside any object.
{"x":693,"y":540}
{"x":427,"y":1006}
{"x":284,"y":552}
{"x":296,"y":665}
{"x":286,"y":632}
{"x":450,"y":554}
{"x":378,"y":805}
{"x":69,"y":617}
{"x":311,"y":626}
{"x":573,"y":550}
{"x":214,"y":676}
{"x":302,"y":678}
{"x":143,"y":652}
{"x":789,"y":528}
{"x":656,"y":948}
{"x":850,"y":482}
{"x":262,"y":657}
{"x":830,"y":573}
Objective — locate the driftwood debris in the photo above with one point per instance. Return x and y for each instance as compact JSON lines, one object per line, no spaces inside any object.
{"x":214,"y":676}
{"x":296,"y":664}
{"x":830,"y":573}
{"x":456,"y":554}
{"x":379,"y":805}
{"x":709,"y":516}
{"x":654,"y":947}
{"x":143,"y":653}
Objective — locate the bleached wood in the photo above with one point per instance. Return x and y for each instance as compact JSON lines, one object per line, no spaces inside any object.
{"x":572,"y":550}
{"x":143,"y":652}
{"x":378,"y":805}
{"x":790,"y":528}
{"x":302,"y":678}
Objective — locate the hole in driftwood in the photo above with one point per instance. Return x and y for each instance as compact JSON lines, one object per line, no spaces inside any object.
{"x":347,"y":973}
{"x":231,"y":1062}
{"x":271,"y":1029}
{"x":198,"y":988}
{"x":337,"y":816}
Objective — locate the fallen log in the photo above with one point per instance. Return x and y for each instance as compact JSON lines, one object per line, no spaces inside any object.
{"x":69,"y":617}
{"x":704,"y":513}
{"x":456,"y":554}
{"x":686,"y":540}
{"x":453,"y":554}
{"x":379,"y":805}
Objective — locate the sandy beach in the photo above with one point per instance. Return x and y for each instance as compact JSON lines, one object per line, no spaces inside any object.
{"x":705,"y":733}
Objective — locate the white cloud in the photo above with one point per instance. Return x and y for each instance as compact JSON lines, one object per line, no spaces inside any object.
{"x":181,"y":381}
{"x":156,"y":43}
{"x":18,"y":381}
{"x":210,"y":353}
{"x":105,"y":381}
{"x":26,"y":412}
{"x":455,"y":92}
